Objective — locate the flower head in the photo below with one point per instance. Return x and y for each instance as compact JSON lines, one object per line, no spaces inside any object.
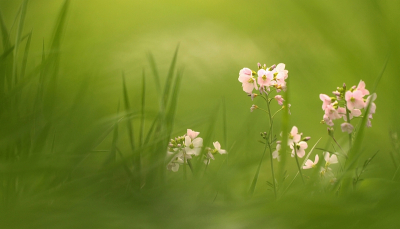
{"x":330,"y":160}
{"x":299,"y":148}
{"x":247,"y":80}
{"x":310,"y":164}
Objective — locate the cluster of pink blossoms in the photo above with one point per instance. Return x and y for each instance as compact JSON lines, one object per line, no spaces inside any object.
{"x":184,"y":147}
{"x":264,"y":80}
{"x":295,"y":142}
{"x":347,"y":104}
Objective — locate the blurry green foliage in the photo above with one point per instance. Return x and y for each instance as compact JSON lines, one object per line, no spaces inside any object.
{"x":83,"y":145}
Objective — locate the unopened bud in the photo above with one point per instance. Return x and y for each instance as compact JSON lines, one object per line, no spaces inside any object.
{"x":179,"y":145}
{"x":272,"y":67}
{"x":306,"y":139}
{"x":259,"y":65}
{"x":278,"y":142}
{"x":170,"y":145}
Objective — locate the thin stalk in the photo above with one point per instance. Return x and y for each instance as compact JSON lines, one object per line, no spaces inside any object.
{"x":348,"y":121}
{"x":269,"y":145}
{"x":297,"y":161}
{"x":190,"y":165}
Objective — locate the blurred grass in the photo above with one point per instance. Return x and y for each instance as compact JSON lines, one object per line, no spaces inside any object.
{"x":64,"y":112}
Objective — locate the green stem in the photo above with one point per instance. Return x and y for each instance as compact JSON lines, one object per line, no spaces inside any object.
{"x":269,"y":144}
{"x":297,"y":161}
{"x":348,"y":121}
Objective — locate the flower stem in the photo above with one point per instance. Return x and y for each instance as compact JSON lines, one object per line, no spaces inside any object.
{"x":297,"y":161}
{"x":348,"y":121}
{"x":269,"y":145}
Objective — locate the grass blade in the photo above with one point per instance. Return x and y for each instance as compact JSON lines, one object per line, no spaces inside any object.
{"x":143,"y":105}
{"x":153,"y":68}
{"x":25,"y":58}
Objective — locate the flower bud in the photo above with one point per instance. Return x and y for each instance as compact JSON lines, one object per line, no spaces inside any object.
{"x":330,"y":131}
{"x":170,"y":145}
{"x":306,"y":139}
{"x":259,"y":65}
{"x":278,"y":142}
{"x":272,"y":67}
{"x":179,"y":145}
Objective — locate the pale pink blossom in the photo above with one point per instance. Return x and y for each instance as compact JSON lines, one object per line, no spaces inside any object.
{"x":279,"y":99}
{"x":294,"y":136}
{"x":310,"y":164}
{"x":354,"y":100}
{"x":330,"y":160}
{"x":331,"y":112}
{"x":361,"y":88}
{"x":217,"y":147}
{"x":282,"y":73}
{"x":247,"y":80}
{"x":347,"y":127}
{"x":192,"y":134}
{"x":326,"y":100}
{"x":300,"y":149}
{"x":327,"y":120}
{"x":371,"y":100}
{"x":276,"y":154}
{"x":264,"y":78}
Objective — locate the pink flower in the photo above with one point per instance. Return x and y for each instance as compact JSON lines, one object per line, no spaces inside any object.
{"x":309,"y":164}
{"x":264,"y":78}
{"x":326,"y":100}
{"x":361,"y":88}
{"x":331,"y":112}
{"x":276,"y":154}
{"x":247,"y":80}
{"x":192,"y":134}
{"x":279,"y":99}
{"x":294,"y":136}
{"x":282,"y":73}
{"x":354,"y":100}
{"x":300,"y":149}
{"x":327,"y":120}
{"x":371,"y":100}
{"x":347,"y":127}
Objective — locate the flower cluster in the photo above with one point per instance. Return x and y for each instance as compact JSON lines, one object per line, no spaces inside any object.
{"x":295,"y":142}
{"x":183,"y":148}
{"x":264,"y":79}
{"x":347,"y":104}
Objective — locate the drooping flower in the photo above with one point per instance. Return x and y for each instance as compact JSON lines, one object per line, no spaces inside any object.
{"x":310,"y":164}
{"x":279,"y":99}
{"x":177,"y":160}
{"x":347,"y":127}
{"x":247,"y":80}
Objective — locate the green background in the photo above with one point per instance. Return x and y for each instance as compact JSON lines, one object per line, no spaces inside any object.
{"x":323,"y":44}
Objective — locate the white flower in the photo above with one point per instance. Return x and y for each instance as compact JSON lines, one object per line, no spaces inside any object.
{"x":330,"y":160}
{"x":309,"y":164}
{"x":217,"y":147}
{"x":193,"y":147}
{"x":276,"y":154}
{"x":347,"y":127}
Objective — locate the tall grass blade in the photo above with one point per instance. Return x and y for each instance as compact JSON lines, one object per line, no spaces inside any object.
{"x":142,"y":120}
{"x":18,"y":40}
{"x":153,"y":68}
{"x":25,"y":57}
{"x":136,"y":157}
